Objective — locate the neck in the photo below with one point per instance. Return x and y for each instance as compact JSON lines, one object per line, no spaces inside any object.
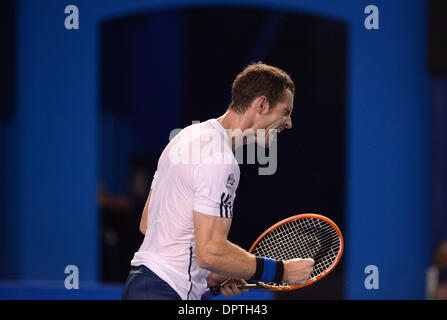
{"x":237,"y":125}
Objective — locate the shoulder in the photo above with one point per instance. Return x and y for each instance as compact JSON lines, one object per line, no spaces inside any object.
{"x":218,"y":172}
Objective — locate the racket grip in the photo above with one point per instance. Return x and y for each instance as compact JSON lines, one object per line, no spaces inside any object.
{"x":210,"y":293}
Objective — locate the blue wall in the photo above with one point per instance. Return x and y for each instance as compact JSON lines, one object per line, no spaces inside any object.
{"x":389,"y":145}
{"x":52,"y":218}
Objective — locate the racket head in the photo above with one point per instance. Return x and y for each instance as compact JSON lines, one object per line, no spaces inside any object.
{"x":307,"y":235}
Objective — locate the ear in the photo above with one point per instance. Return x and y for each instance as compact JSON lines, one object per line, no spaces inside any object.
{"x":262,"y":105}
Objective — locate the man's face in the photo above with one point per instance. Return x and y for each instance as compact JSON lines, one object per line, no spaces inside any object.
{"x":278,"y":118}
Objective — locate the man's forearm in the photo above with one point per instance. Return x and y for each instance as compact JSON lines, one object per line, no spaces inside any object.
{"x":228,"y":259}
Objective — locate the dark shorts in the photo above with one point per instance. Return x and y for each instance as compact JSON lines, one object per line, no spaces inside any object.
{"x":143,"y":284}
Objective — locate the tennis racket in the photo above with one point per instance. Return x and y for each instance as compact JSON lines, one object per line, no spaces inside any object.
{"x":302,"y":236}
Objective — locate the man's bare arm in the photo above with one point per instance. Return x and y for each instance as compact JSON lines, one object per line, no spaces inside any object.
{"x":216,"y":253}
{"x":143,"y":221}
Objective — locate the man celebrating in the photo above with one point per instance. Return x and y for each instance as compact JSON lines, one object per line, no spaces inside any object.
{"x":189,"y":208}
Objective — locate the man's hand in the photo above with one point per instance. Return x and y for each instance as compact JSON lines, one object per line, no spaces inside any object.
{"x":297,"y":271}
{"x":231,"y":289}
{"x":228,"y":290}
{"x":214,"y":279}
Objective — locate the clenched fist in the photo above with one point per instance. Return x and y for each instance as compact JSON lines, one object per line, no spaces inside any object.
{"x":297,"y":271}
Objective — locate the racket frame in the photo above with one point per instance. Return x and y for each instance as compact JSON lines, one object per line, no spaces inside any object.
{"x":313,"y":279}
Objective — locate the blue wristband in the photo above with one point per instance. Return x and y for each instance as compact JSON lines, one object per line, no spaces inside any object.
{"x":269,"y":270}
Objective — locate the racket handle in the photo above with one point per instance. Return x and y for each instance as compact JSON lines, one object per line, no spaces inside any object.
{"x":250,"y":286}
{"x":209,"y":293}
{"x":213,"y":291}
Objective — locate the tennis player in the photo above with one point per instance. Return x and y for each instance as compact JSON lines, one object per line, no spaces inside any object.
{"x":189,"y":208}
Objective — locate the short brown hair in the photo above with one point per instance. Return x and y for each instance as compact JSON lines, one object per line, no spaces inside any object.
{"x":256,"y":80}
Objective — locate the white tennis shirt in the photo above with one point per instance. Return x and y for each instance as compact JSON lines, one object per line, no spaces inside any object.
{"x":196,"y":171}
